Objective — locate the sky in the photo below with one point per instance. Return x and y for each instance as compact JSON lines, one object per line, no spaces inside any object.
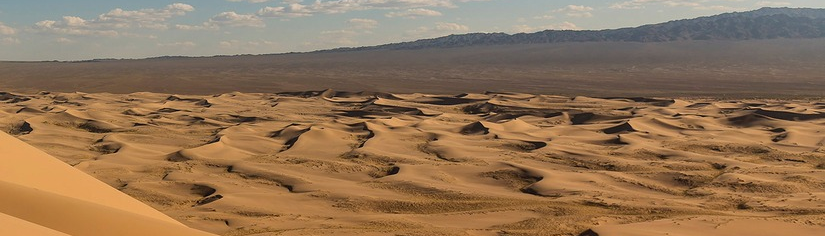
{"x":90,"y":29}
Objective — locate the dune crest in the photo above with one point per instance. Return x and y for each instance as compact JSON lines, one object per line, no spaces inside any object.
{"x":342,"y":163}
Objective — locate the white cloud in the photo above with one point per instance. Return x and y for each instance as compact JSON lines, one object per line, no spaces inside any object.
{"x":639,"y":4}
{"x":185,"y":44}
{"x":74,"y":21}
{"x":111,"y":24}
{"x":9,"y":41}
{"x":71,"y":26}
{"x":564,"y":26}
{"x":440,"y":29}
{"x":249,"y":1}
{"x":358,"y":23}
{"x":144,"y":18}
{"x":719,"y":8}
{"x":226,"y":19}
{"x":296,"y":9}
{"x":291,"y":10}
{"x":238,"y":43}
{"x":450,"y":27}
{"x":413,"y":13}
{"x":338,"y":38}
{"x":575,"y":11}
{"x":772,"y":4}
{"x":524,"y":29}
{"x":196,"y":27}
{"x":233,"y":19}
{"x":62,"y":40}
{"x":345,"y":37}
{"x":7,"y":30}
{"x":695,"y":4}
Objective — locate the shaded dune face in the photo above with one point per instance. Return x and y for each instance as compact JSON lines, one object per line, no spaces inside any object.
{"x":342,"y":163}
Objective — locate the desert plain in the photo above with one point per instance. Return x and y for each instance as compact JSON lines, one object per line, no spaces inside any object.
{"x":371,"y":163}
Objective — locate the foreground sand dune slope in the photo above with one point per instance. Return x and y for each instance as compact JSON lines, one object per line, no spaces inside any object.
{"x":44,"y":196}
{"x":338,"y":163}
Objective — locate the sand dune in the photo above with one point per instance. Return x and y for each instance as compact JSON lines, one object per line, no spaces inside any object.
{"x":342,"y":163}
{"x":43,"y":196}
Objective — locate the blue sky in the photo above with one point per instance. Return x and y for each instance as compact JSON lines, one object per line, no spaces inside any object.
{"x":86,"y":29}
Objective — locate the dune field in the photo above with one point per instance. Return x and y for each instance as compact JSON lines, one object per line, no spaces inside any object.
{"x":368,"y":163}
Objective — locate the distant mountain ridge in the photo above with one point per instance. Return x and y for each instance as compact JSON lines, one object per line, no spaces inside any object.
{"x":765,"y":23}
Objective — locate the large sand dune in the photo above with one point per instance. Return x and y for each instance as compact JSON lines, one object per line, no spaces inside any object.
{"x":43,"y":196}
{"x":335,"y":163}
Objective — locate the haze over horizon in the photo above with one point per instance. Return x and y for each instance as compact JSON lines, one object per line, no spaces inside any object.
{"x":56,"y":30}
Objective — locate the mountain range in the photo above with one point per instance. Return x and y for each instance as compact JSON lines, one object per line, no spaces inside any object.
{"x":765,"y":23}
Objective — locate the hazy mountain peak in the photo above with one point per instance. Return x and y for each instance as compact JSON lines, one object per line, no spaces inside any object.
{"x":793,"y":12}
